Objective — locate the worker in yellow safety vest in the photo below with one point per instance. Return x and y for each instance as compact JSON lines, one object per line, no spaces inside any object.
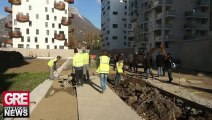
{"x":103,"y":69}
{"x":86,"y":61}
{"x":52,"y":66}
{"x":78,"y":67}
{"x":119,"y":69}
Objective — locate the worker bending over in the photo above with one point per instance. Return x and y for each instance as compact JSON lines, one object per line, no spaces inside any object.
{"x":52,"y":66}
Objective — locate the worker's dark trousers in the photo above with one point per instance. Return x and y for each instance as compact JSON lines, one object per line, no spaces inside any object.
{"x":79,"y":75}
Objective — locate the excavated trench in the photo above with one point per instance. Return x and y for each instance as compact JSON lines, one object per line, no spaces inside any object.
{"x":153,"y":104}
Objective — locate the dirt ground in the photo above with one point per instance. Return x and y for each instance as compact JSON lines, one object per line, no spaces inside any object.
{"x":34,"y":65}
{"x":151,"y":105}
{"x":59,"y":104}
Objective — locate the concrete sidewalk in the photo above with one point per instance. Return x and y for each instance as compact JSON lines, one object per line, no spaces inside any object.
{"x":92,"y":105}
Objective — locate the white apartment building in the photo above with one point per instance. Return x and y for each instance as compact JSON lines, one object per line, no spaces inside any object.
{"x":115,"y":24}
{"x":39,"y":24}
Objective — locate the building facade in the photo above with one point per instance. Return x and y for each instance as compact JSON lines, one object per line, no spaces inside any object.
{"x":39,"y":24}
{"x":183,"y":27}
{"x":115,"y":24}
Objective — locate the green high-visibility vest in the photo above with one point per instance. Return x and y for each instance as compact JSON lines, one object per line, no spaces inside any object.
{"x":85,"y":58}
{"x":51,"y":62}
{"x":78,"y":60}
{"x":104,"y":64}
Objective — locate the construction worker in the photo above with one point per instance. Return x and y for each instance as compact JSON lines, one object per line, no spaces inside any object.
{"x":119,"y":69}
{"x":85,"y":65}
{"x":78,"y":67}
{"x":103,"y":69}
{"x":52,"y":66}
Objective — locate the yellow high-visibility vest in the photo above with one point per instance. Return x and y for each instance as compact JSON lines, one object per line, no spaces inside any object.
{"x":85,"y":58}
{"x":78,"y":60}
{"x":51,"y":62}
{"x":104,"y":64}
{"x":119,"y":66}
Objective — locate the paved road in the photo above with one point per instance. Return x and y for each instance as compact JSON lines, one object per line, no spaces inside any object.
{"x":92,"y":105}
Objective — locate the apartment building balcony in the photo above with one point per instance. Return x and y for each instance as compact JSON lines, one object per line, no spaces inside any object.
{"x":8,"y":25}
{"x":189,"y":26}
{"x":168,"y":26}
{"x":158,"y":3}
{"x":59,"y":5}
{"x":8,"y":9}
{"x":189,"y":37}
{"x":189,"y":14}
{"x":59,"y":36}
{"x":203,"y":27}
{"x":158,"y":38}
{"x":203,"y":3}
{"x":15,"y":2}
{"x":157,"y":27}
{"x":170,"y":38}
{"x":22,"y":18}
{"x":143,"y":40}
{"x":66,"y":21}
{"x":15,"y":34}
{"x":171,"y":13}
{"x":69,"y":1}
{"x":71,"y":31}
{"x":8,"y":41}
{"x":158,"y":16}
{"x":203,"y":15}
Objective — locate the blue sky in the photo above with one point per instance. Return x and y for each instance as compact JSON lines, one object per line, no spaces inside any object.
{"x":91,"y":9}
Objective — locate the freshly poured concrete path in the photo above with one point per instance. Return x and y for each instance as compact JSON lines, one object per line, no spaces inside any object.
{"x":93,"y":105}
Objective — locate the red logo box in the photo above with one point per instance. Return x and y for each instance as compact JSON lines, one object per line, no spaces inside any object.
{"x":16,"y":98}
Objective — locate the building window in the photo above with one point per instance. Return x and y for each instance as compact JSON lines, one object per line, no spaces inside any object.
{"x":15,"y":22}
{"x":52,"y":25}
{"x":37,"y":16}
{"x":125,"y":37}
{"x":47,"y":1}
{"x":47,"y":17}
{"x":47,"y":47}
{"x":59,"y":25}
{"x":125,"y":13}
{"x":28,"y":39}
{"x":27,"y":46}
{"x":125,"y":7}
{"x":52,"y":40}
{"x":36,"y":39}
{"x":27,"y":0}
{"x":37,"y":32}
{"x":108,"y":44}
{"x":30,"y":7}
{"x":46,"y":24}
{"x":47,"y":32}
{"x":115,"y":25}
{"x":115,"y":37}
{"x":55,"y":18}
{"x":27,"y":31}
{"x":125,"y":43}
{"x":22,"y":39}
{"x":55,"y":32}
{"x":125,"y":25}
{"x":37,"y":46}
{"x":46,"y":9}
{"x":115,"y":13}
{"x":55,"y":47}
{"x":52,"y":10}
{"x":30,"y":23}
{"x":46,"y":40}
{"x":65,"y":11}
{"x":61,"y":47}
{"x":20,"y":46}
